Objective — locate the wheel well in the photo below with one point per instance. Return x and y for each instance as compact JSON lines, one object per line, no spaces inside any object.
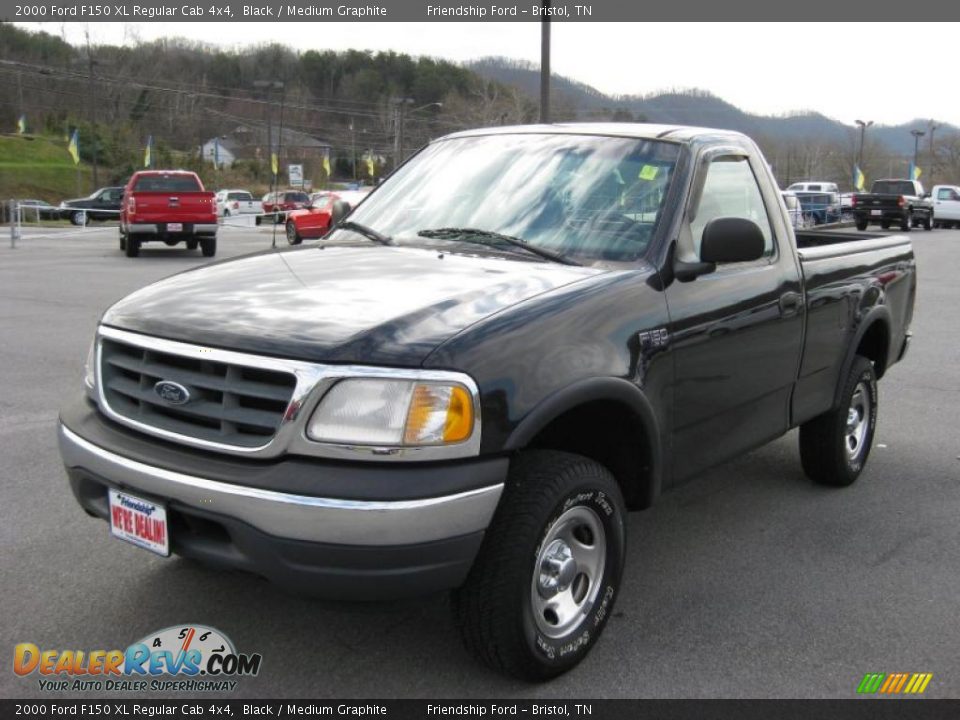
{"x":874,"y":345}
{"x":610,"y":433}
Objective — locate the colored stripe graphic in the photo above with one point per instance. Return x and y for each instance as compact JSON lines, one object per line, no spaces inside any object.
{"x":894,"y":683}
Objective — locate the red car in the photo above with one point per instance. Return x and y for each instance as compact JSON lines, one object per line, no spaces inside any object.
{"x":282,"y":202}
{"x":314,"y":221}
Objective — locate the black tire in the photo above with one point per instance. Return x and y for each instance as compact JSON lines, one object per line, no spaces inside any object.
{"x":80,"y":218}
{"x":862,"y":224}
{"x":905,"y":222}
{"x":132,"y":248}
{"x":885,"y":224}
{"x":293,"y":237}
{"x":827,"y":451}
{"x":937,"y":224}
{"x":193,"y":244}
{"x":497,"y":607}
{"x":226,"y":213}
{"x":928,"y":223}
{"x":257,"y":220}
{"x":208,"y":246}
{"x":123,"y":241}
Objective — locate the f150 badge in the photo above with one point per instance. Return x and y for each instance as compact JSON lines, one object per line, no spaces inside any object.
{"x":653,"y":339}
{"x":172,"y":393}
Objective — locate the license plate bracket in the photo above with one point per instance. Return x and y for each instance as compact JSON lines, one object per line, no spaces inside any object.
{"x":174,"y":227}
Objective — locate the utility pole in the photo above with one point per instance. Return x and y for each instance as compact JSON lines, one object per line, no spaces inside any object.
{"x":545,"y":64}
{"x":353,"y":149}
{"x":91,"y":104}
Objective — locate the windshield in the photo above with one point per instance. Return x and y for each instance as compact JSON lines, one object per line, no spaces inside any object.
{"x":584,"y":197}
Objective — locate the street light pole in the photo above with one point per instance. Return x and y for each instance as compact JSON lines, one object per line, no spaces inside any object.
{"x":933,"y":128}
{"x":863,"y":137}
{"x":917,"y":134}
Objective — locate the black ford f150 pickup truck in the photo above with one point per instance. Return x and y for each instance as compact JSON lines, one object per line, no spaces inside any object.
{"x":520,"y":335}
{"x":893,"y":202}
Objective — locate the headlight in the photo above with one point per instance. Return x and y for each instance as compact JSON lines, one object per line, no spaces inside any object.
{"x":368,"y":411}
{"x":90,"y":368}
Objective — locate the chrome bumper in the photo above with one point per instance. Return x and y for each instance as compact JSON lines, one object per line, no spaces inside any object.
{"x":295,"y":517}
{"x":153,"y":228}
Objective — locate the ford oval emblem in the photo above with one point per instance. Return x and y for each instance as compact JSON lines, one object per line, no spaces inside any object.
{"x":172,"y":393}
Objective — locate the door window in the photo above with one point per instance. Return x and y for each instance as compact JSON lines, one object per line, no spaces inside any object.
{"x":947,"y":194}
{"x":730,"y":190}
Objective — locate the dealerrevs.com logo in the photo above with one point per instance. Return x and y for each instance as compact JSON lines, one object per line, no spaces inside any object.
{"x":188,"y":658}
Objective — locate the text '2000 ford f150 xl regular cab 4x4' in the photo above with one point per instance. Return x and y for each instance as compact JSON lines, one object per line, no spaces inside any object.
{"x":519,"y":335}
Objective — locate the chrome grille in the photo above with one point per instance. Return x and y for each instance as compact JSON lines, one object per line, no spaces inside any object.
{"x":229,"y":403}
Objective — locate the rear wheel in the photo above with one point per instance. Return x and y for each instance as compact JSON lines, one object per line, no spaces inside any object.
{"x":862,"y":224}
{"x":905,"y":222}
{"x":885,"y":224}
{"x":548,"y":572}
{"x":293,"y":237}
{"x":123,"y":240}
{"x":928,"y":223}
{"x":834,"y":446}
{"x":78,"y":217}
{"x":193,"y":244}
{"x":132,"y":246}
{"x":208,"y":246}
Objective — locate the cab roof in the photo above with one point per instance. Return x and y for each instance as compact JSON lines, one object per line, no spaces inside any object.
{"x":640,"y":131}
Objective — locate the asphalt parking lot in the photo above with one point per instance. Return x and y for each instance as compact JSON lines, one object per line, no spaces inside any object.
{"x":747,"y":582}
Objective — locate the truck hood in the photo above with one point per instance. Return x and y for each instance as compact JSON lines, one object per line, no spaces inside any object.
{"x":347,"y":304}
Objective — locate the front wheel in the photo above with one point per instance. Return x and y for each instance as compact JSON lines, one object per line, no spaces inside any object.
{"x":544,"y":583}
{"x":77,"y":217}
{"x":834,"y":446}
{"x":293,"y":237}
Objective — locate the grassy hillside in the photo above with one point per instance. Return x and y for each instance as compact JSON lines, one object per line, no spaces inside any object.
{"x":39,"y":167}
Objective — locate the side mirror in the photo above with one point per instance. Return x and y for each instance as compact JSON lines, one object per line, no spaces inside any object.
{"x":730,"y":240}
{"x":340,"y":209}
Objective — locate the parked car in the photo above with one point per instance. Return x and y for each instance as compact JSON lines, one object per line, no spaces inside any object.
{"x":820,"y":208}
{"x":38,"y":210}
{"x":278,"y":204}
{"x":815,"y":186}
{"x":474,"y":397}
{"x":946,"y":205}
{"x":237,"y":202}
{"x":901,"y":202}
{"x":170,"y":206}
{"x":794,"y":209}
{"x":104,"y":204}
{"x":314,"y":221}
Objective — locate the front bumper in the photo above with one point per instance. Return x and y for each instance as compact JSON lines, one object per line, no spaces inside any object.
{"x":345,"y":548}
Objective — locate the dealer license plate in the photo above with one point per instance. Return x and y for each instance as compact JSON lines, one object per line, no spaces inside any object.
{"x":876,"y":212}
{"x":138,"y":521}
{"x":174,"y":227}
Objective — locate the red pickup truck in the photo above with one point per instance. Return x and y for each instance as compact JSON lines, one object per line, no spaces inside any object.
{"x":170,"y":206}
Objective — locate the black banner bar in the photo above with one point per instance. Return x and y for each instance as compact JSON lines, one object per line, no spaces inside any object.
{"x":854,"y":709}
{"x":130,"y":11}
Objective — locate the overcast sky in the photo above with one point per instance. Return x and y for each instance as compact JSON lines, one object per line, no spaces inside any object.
{"x":843,"y":70}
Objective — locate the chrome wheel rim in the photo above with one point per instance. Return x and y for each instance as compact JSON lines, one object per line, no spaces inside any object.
{"x":291,"y":234}
{"x":568,"y":570}
{"x":858,"y":421}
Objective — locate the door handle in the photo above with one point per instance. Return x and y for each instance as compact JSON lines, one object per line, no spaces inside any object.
{"x":790,"y":303}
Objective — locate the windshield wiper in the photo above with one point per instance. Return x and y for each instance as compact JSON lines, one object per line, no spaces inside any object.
{"x":367,"y":232}
{"x":483,"y":237}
